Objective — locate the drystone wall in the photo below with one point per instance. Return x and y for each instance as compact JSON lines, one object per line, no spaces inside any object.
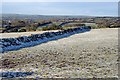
{"x":8,"y":44}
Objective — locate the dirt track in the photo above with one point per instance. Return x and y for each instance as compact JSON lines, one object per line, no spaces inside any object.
{"x":89,"y":54}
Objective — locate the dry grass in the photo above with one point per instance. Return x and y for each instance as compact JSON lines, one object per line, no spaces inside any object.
{"x":90,"y":54}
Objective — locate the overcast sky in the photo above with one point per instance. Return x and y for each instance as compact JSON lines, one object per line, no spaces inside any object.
{"x":61,"y":8}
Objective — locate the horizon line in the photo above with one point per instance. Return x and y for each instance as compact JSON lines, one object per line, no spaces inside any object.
{"x":62,"y":15}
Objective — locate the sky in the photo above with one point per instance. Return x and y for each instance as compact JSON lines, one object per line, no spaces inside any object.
{"x":60,"y":0}
{"x":61,"y":8}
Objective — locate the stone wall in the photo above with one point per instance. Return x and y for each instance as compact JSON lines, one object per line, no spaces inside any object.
{"x":7,"y":42}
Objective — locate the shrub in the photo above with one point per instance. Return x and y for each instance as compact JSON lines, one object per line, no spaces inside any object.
{"x":22,"y":30}
{"x":14,"y":30}
{"x":51,"y":27}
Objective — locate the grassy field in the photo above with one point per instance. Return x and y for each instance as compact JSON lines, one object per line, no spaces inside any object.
{"x":83,"y":55}
{"x":18,"y":34}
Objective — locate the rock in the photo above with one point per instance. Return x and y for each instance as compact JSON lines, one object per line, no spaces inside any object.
{"x":24,"y":39}
{"x":6,"y":44}
{"x":4,"y":74}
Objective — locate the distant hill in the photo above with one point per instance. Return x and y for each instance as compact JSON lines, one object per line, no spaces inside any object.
{"x":24,"y":16}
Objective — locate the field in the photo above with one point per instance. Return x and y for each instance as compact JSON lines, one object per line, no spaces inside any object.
{"x":18,"y":34}
{"x":83,"y":55}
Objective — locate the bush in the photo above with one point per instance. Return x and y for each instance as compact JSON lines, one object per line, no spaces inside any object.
{"x":33,"y":28}
{"x":39,"y":29}
{"x":22,"y":30}
{"x":74,"y":25}
{"x":45,"y":28}
{"x":51,"y":27}
{"x":14,"y":30}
